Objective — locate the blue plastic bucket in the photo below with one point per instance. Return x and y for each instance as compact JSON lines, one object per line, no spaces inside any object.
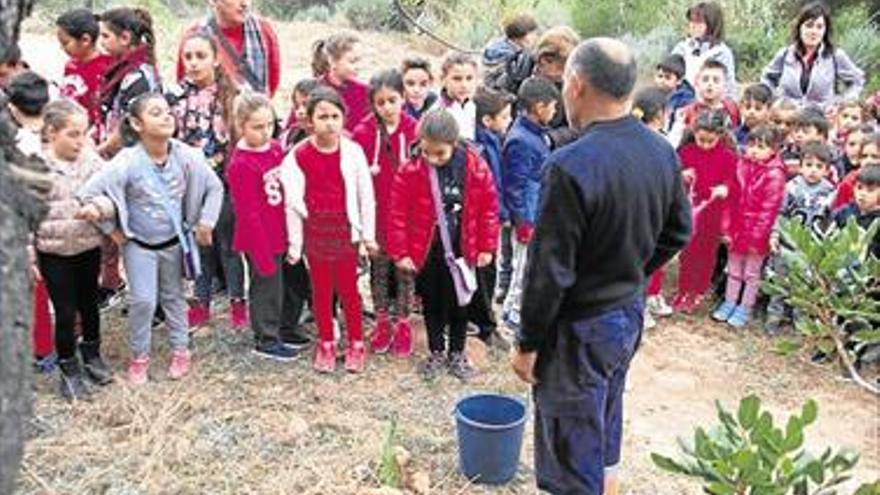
{"x":490,"y":431}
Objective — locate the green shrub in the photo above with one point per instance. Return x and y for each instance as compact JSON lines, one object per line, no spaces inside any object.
{"x":315,"y":13}
{"x":651,"y":48}
{"x":286,"y":10}
{"x":754,"y":47}
{"x":831,"y":281}
{"x":860,"y":40}
{"x":748,"y":454}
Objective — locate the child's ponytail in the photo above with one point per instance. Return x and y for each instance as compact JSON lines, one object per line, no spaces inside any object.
{"x":330,"y":48}
{"x":138,"y":23}
{"x":320,"y":61}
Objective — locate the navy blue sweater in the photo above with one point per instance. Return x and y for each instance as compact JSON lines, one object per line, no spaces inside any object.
{"x":613,"y":210}
{"x":525,"y":150}
{"x":489,"y":145}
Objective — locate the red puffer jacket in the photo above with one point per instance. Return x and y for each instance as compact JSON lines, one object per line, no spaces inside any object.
{"x":412,"y":219}
{"x":761,"y":191}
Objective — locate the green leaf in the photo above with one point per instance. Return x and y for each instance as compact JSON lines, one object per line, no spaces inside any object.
{"x":867,"y":336}
{"x":786,"y":347}
{"x":827,"y":347}
{"x":869,"y":489}
{"x":816,"y":472}
{"x":748,"y":411}
{"x":794,"y":434}
{"x":667,"y":464}
{"x":703,"y":445}
{"x":721,"y":488}
{"x":843,"y":461}
{"x":809,"y":412}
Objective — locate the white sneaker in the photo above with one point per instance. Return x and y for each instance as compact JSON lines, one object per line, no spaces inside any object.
{"x":658,"y":306}
{"x":649,"y":321}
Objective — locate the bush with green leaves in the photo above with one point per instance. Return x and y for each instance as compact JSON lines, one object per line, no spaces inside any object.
{"x":832,"y":283}
{"x":858,"y":37}
{"x":750,"y":455}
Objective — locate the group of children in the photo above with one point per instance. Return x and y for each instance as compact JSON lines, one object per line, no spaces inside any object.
{"x":434,"y":194}
{"x":748,"y":165}
{"x":199,"y":182}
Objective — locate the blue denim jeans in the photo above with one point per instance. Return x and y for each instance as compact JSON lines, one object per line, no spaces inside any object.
{"x":579,"y":399}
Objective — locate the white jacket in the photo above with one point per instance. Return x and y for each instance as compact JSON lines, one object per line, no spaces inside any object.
{"x":360,"y":203}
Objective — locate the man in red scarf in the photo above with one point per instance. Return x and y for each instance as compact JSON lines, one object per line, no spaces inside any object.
{"x":246,"y":45}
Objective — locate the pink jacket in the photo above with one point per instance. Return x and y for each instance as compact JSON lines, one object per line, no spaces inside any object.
{"x":60,"y":233}
{"x":754,"y":211}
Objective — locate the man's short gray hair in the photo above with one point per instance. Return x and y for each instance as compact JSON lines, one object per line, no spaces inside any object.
{"x":607,"y":65}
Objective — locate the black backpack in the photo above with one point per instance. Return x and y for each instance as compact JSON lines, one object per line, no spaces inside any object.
{"x":510,"y":73}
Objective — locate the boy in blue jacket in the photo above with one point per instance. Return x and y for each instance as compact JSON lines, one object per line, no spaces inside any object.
{"x":523,"y":156}
{"x":493,"y":118}
{"x":670,"y":78}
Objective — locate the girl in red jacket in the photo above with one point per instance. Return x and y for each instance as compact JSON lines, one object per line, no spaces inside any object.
{"x":470,"y":204}
{"x":709,"y":170}
{"x":761,"y":177}
{"x":336,"y":62}
{"x":385,"y":138}
{"x":332,"y":192}
{"x":258,"y":200}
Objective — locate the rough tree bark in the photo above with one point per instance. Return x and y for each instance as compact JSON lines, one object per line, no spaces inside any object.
{"x":23,"y":186}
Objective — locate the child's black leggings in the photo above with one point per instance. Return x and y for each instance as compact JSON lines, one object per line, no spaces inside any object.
{"x":72,"y":282}
{"x":440,"y":305}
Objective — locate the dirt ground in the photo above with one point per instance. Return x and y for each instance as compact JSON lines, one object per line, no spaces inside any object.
{"x":240,"y":425}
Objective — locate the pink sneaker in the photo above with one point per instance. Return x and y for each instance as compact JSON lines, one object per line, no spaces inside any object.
{"x":381,"y":339}
{"x":179,"y":366}
{"x":198,"y":315}
{"x":325,"y":357}
{"x":402,"y":347}
{"x":239,"y":311}
{"x":137,"y":369}
{"x":355,"y":357}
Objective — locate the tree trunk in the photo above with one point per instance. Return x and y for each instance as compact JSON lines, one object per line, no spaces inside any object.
{"x":22,"y":194}
{"x":12,"y":12}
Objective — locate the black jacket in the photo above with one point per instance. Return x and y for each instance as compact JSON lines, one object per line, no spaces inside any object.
{"x":613,"y":211}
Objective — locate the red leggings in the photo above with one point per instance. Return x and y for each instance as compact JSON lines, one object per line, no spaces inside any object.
{"x":44,"y":341}
{"x":696,"y":264}
{"x":338,"y":276}
{"x":655,"y":283}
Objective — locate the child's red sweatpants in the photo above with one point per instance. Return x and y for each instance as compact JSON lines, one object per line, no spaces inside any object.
{"x":44,"y":343}
{"x":655,"y":283}
{"x":339,"y":276}
{"x":697,"y":260}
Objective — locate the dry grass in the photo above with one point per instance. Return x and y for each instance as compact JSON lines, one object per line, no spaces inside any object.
{"x":242,"y":425}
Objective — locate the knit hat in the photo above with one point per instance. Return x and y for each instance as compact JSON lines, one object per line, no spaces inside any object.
{"x":28,"y":92}
{"x":674,"y":64}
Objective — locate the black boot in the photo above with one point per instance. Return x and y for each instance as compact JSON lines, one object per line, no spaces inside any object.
{"x":95,"y":367}
{"x":72,"y":386}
